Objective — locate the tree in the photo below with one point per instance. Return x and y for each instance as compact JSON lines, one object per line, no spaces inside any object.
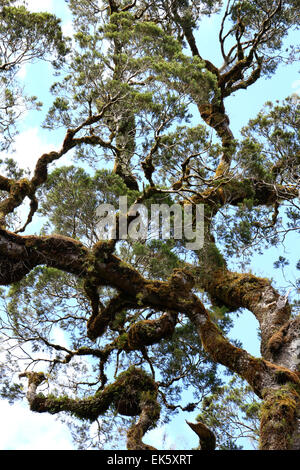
{"x":25,"y":37}
{"x":232,"y":413}
{"x":145,"y":320}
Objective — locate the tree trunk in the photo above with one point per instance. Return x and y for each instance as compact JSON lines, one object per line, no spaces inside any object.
{"x":280,"y":419}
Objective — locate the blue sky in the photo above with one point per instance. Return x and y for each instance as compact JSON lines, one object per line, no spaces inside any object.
{"x":26,"y":430}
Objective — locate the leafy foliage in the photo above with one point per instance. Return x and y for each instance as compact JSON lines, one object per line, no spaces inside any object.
{"x":25,"y":37}
{"x":233,"y":414}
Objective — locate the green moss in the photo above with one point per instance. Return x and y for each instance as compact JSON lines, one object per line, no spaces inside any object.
{"x":122,"y":342}
{"x":278,"y":417}
{"x":214,"y":256}
{"x":139,"y":298}
{"x":126,"y":395}
{"x":128,"y":388}
{"x":119,"y":320}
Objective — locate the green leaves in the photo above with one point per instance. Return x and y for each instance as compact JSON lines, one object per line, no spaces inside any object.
{"x":264,"y":25}
{"x":232,"y":413}
{"x":270,"y":148}
{"x":71,"y":199}
{"x":29,"y":36}
{"x":188,"y":76}
{"x":25,"y":37}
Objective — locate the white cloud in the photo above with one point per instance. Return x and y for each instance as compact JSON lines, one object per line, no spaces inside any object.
{"x":159,"y":439}
{"x":22,"y":72}
{"x":38,"y":5}
{"x":29,"y":147}
{"x":174,"y":436}
{"x":59,"y":337}
{"x":31,"y":144}
{"x":296,"y":86}
{"x":67,"y":28}
{"x":23,"y":429}
{"x":26,"y":430}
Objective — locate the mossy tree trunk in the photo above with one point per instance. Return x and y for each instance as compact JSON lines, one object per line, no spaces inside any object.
{"x":280,"y":349}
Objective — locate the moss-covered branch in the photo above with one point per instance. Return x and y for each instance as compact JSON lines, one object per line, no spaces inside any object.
{"x":127,"y":395}
{"x":279,"y":428}
{"x":173,"y":295}
{"x":147,"y":332}
{"x":214,"y":115}
{"x":206,"y":436}
{"x":234,"y":191}
{"x":259,"y":373}
{"x":245,"y":290}
{"x":98,"y":324}
{"x":147,"y":420}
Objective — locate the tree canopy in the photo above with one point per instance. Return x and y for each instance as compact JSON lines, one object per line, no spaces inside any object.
{"x":144,"y":321}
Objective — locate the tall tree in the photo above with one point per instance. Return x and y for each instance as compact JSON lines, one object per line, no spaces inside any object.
{"x":145,"y":320}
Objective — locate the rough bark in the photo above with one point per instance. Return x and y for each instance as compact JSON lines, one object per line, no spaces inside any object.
{"x":206,"y":436}
{"x":265,"y":377}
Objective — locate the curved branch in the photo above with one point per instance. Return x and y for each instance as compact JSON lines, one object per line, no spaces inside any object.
{"x":174,"y":296}
{"x":214,"y":115}
{"x":148,"y":332}
{"x":147,"y":420}
{"x":98,"y":324}
{"x":206,"y":436}
{"x":233,"y":191}
{"x":259,"y":373}
{"x":132,"y":393}
{"x":236,"y":290}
